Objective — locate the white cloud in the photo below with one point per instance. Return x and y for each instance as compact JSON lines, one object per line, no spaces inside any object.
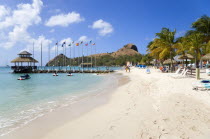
{"x":64,"y":19}
{"x":17,"y":22}
{"x":25,"y":15}
{"x":84,"y":39}
{"x":67,"y":40}
{"x":3,"y":11}
{"x":41,"y":40}
{"x":104,"y":28}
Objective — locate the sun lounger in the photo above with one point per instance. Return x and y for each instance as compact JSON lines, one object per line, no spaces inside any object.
{"x":208,"y":72}
{"x":182,"y":75}
{"x":203,"y":85}
{"x":176,"y":73}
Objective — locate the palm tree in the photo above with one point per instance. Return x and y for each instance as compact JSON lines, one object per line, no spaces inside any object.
{"x":195,"y":45}
{"x":181,"y":46}
{"x":146,"y":59}
{"x":163,"y":44}
{"x":202,"y":25}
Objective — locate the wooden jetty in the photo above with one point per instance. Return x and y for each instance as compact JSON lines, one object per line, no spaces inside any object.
{"x":72,"y":71}
{"x":26,"y":64}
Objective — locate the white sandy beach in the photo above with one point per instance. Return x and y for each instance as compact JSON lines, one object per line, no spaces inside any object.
{"x":149,"y":106}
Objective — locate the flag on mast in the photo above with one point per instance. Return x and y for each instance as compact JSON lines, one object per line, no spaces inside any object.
{"x":63,"y":44}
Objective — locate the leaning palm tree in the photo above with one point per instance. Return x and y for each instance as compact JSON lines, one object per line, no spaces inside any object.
{"x":195,"y":45}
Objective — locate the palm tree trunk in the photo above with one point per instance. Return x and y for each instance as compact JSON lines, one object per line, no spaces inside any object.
{"x":186,"y":62}
{"x":171,"y":67}
{"x":197,"y":68}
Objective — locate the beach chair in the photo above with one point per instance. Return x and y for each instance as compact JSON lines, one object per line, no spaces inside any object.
{"x":176,"y":73}
{"x":208,"y":72}
{"x":182,"y":75}
{"x":202,"y":85}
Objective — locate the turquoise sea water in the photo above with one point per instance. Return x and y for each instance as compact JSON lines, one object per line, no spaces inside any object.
{"x":23,"y":101}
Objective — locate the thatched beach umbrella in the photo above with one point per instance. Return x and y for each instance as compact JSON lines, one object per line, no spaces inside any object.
{"x":152,"y":62}
{"x":169,"y":61}
{"x":206,"y":57}
{"x":186,"y":56}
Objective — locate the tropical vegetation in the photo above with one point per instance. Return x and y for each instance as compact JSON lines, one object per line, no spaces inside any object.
{"x":195,"y":42}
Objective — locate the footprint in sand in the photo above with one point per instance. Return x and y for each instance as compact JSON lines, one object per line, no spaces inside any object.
{"x":166,"y":119}
{"x":155,"y":122}
{"x":193,"y":128}
{"x":111,"y":127}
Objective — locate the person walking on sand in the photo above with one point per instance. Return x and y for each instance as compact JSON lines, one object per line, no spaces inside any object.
{"x":126,"y":68}
{"x":129,"y":69}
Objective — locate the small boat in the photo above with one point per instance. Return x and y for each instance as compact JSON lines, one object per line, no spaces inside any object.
{"x":24,"y":77}
{"x":55,"y":74}
{"x":70,"y":74}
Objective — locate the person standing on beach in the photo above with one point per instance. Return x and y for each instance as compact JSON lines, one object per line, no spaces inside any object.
{"x":129,"y":69}
{"x":126,"y":68}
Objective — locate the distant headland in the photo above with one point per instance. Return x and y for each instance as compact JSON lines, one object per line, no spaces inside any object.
{"x":128,"y":52}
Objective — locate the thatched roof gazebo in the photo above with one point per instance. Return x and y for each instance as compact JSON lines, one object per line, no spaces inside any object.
{"x":186,"y":56}
{"x":206,"y":57}
{"x":24,"y":59}
{"x":169,"y":61}
{"x":24,"y":63}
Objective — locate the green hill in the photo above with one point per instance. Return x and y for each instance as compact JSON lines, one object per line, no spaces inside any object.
{"x":127,"y":53}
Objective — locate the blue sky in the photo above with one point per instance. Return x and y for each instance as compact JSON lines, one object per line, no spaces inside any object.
{"x":109,"y":23}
